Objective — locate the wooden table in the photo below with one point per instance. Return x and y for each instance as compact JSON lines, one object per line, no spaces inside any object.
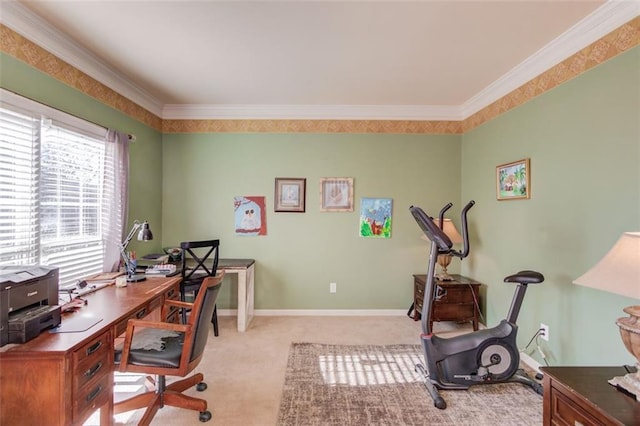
{"x":244,"y":268}
{"x":62,"y":378}
{"x":583,"y":396}
{"x":459,"y":303}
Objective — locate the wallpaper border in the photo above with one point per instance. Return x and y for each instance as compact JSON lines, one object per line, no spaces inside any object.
{"x":616,"y":42}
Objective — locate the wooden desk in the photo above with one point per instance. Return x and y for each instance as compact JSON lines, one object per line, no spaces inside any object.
{"x":244,"y":268}
{"x":582,"y":396}
{"x":61,"y":378}
{"x":460,"y":303}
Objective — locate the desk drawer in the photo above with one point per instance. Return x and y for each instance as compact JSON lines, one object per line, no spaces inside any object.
{"x":173,"y":293}
{"x":91,"y":397}
{"x":142,"y":312}
{"x":92,"y":368}
{"x":94,"y":349}
{"x":173,"y":313}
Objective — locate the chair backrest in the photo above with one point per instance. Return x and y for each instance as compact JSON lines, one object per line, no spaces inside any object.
{"x":202,"y":311}
{"x":199,"y":259}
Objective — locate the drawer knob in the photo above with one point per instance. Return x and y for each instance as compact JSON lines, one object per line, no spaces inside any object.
{"x":141,"y":313}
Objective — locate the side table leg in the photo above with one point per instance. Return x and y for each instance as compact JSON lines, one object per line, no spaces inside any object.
{"x":242,"y":300}
{"x":250,"y":295}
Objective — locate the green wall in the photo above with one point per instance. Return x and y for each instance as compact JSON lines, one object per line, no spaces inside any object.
{"x":303,"y":252}
{"x":145,"y":189}
{"x":583,"y":139}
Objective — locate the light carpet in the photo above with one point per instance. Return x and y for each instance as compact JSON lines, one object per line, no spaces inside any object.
{"x":377,"y":385}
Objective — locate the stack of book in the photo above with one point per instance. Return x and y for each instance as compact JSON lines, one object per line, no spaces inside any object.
{"x":163,"y":270}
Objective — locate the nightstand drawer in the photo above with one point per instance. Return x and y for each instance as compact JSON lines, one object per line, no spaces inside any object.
{"x":458,"y":300}
{"x":582,"y":396}
{"x":452,"y":295}
{"x":567,"y":412}
{"x":453,"y":312}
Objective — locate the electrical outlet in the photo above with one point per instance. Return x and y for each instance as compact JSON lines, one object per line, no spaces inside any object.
{"x":332,"y":287}
{"x":544,"y":331}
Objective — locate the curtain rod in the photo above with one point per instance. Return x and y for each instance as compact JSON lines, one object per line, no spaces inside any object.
{"x":132,"y":137}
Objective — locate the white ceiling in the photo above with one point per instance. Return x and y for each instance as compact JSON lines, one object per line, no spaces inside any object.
{"x":314,"y":59}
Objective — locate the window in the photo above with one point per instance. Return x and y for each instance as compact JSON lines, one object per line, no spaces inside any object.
{"x":53,"y":175}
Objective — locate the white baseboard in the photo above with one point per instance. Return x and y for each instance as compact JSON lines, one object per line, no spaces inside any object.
{"x":532,"y":363}
{"x":319,"y":312}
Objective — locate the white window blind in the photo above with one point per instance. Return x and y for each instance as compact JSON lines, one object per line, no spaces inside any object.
{"x":52,"y":196}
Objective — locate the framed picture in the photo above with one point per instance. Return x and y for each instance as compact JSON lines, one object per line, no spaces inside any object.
{"x":250,"y":215}
{"x":375,"y":217}
{"x":290,"y":195}
{"x":336,"y":194}
{"x":513,"y":180}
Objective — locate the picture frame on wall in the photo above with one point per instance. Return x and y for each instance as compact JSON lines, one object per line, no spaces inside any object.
{"x":336,"y":194}
{"x":513,"y":180}
{"x":290,"y":195}
{"x":376,"y":217}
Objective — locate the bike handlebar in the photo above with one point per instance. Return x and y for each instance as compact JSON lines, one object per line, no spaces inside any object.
{"x":435,"y":233}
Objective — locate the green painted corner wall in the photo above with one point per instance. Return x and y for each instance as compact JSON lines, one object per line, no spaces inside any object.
{"x":303,"y":252}
{"x":145,"y":189}
{"x":583,"y":139}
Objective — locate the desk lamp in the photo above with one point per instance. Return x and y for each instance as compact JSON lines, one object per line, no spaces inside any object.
{"x":144,"y":235}
{"x":619,"y":272}
{"x":445,"y":259}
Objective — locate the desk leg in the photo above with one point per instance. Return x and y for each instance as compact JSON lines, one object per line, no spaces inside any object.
{"x":106,"y":412}
{"x":245,"y":297}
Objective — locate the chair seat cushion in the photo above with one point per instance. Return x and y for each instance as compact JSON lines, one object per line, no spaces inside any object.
{"x":167,"y":356}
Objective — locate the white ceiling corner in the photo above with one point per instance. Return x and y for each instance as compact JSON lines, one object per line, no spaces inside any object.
{"x":603,"y":20}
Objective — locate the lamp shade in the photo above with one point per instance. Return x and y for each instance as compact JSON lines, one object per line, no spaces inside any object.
{"x":450,"y":229}
{"x":619,"y":270}
{"x":145,"y":233}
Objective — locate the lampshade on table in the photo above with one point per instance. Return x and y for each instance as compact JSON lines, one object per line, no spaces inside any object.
{"x":619,"y":272}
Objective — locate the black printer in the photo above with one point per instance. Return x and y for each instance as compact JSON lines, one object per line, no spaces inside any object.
{"x":28,"y":302}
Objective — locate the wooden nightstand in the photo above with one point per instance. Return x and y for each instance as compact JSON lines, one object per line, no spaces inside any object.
{"x":460,"y":302}
{"x":582,"y":396}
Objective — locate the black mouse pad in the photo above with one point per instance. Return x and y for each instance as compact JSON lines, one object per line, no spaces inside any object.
{"x":76,"y":323}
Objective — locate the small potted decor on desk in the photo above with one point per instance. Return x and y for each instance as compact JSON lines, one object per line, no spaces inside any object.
{"x":175,"y":254}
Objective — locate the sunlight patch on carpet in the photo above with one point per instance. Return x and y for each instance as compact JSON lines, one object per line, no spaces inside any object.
{"x":368,"y":369}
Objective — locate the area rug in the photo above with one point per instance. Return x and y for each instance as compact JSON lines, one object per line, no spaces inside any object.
{"x":377,"y":385}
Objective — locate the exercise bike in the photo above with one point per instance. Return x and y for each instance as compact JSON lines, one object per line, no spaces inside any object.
{"x":482,"y":357}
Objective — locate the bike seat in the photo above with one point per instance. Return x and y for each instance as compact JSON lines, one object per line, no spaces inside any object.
{"x":525,"y":277}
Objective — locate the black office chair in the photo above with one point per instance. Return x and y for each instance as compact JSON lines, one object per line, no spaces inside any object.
{"x":199,"y":260}
{"x":167,"y":349}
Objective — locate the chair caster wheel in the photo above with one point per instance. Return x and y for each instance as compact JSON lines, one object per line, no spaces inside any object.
{"x":205,"y":416}
{"x":200,"y":387}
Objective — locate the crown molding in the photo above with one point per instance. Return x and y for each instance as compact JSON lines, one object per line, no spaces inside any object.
{"x":312,"y":112}
{"x":602,"y":21}
{"x":608,"y":17}
{"x":26,"y":23}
